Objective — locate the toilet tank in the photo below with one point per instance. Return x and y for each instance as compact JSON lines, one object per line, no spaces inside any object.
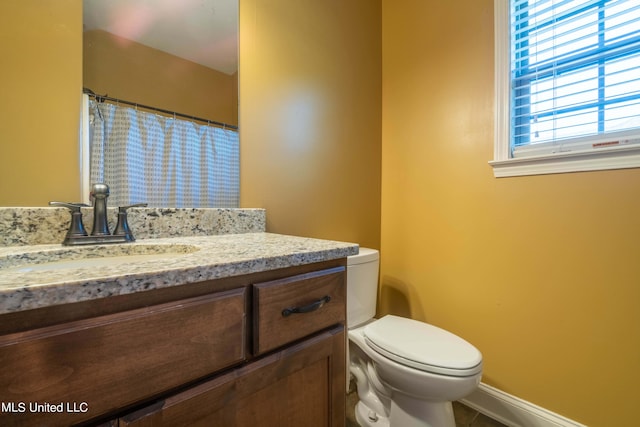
{"x":362,"y":286}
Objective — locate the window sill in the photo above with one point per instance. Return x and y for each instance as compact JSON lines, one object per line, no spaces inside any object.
{"x":573,"y":161}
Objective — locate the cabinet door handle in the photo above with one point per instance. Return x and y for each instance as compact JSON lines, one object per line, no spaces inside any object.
{"x":306,"y":308}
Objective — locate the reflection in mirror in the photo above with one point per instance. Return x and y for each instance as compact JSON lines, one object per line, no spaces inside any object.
{"x":175,"y":56}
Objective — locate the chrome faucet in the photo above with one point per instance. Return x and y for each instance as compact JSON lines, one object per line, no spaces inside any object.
{"x":99,"y":194}
{"x":100,"y":231}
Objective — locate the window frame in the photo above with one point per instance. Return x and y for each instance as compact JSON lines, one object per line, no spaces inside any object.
{"x":503,"y":163}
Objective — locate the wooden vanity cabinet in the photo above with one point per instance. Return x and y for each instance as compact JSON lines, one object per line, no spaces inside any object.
{"x":300,"y":385}
{"x":224,"y":353}
{"x":61,"y":374}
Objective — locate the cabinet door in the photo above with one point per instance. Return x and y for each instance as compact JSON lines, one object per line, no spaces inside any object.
{"x":94,"y":366}
{"x":302,"y":385}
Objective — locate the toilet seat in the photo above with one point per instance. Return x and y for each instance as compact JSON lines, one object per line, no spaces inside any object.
{"x":422,"y":346}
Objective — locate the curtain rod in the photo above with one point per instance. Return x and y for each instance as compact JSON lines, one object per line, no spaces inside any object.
{"x":102,"y":98}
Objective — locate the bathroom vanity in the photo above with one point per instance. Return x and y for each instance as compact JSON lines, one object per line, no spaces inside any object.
{"x":230,"y":330}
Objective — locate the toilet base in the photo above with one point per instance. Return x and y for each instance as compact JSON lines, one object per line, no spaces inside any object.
{"x":408,"y":412}
{"x":368,"y":418}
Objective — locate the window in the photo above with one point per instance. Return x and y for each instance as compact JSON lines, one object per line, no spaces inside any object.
{"x":567,"y":86}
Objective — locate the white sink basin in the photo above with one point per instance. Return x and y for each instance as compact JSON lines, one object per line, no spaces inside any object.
{"x":90,"y":257}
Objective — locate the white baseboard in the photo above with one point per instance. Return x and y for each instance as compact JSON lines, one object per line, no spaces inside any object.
{"x":512,"y":411}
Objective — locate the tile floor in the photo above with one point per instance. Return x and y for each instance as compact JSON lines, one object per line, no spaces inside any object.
{"x":465,"y":416}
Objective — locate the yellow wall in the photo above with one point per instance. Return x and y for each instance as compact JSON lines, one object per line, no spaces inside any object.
{"x":40,"y":98}
{"x":310,"y":114}
{"x":127,"y":70}
{"x":541,"y":273}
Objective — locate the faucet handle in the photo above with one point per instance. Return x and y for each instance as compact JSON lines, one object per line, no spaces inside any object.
{"x":76,"y":228}
{"x":122,"y":227}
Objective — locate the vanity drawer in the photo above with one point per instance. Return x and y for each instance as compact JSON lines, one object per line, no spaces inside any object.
{"x":287,"y":309}
{"x":112,"y":361}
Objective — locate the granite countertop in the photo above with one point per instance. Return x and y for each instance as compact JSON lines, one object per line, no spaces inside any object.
{"x":178,"y":261}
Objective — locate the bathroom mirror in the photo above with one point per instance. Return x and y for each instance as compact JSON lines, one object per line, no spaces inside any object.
{"x":179,"y":56}
{"x":175,"y":56}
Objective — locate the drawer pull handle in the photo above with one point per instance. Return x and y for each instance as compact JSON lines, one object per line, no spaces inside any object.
{"x":307,"y":308}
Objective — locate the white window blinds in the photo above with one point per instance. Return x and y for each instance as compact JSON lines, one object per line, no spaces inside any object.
{"x":575,"y":75}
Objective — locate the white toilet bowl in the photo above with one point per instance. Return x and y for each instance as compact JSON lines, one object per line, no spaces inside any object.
{"x":397,"y":394}
{"x":407,"y":372}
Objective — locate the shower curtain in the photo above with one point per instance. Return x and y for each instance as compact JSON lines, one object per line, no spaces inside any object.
{"x":162,"y":161}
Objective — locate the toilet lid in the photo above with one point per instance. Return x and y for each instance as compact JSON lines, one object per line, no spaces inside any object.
{"x":423,"y":346}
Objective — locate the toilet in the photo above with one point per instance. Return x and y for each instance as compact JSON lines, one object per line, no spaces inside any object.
{"x":407,"y":372}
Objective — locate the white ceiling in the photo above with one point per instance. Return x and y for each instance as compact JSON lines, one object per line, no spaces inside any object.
{"x":202,"y":31}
